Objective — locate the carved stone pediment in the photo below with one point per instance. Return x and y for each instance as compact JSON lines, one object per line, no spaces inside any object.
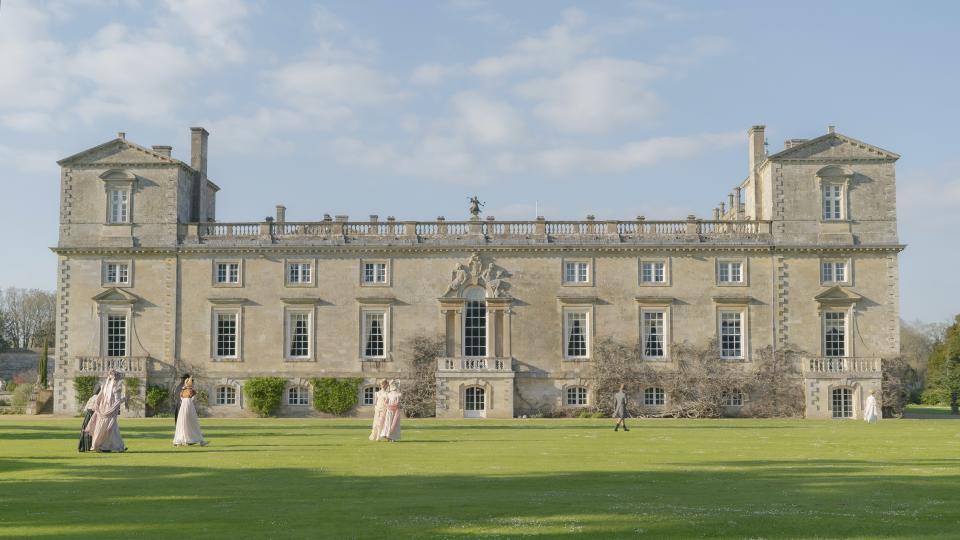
{"x":477,"y":272}
{"x":837,"y":296}
{"x":116,"y":296}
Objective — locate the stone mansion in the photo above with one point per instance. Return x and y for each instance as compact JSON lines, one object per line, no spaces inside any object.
{"x":802,"y":253}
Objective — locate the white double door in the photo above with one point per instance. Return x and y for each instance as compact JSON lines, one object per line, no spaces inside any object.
{"x":474,"y":403}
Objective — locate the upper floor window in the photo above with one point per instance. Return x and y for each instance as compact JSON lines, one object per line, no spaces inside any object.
{"x":833,"y":204}
{"x":576,"y":272}
{"x":226,"y":327}
{"x":654,"y":332}
{"x":653,"y":272}
{"x":575,"y":331}
{"x":576,"y":395}
{"x":116,"y":334}
{"x":116,"y":273}
{"x":475,"y":323}
{"x":119,"y":206}
{"x":373,"y":334}
{"x":730,"y":271}
{"x":834,"y":272}
{"x":835,"y":333}
{"x":299,"y":273}
{"x":227,"y":273}
{"x":374,"y":273}
{"x":298,"y":334}
{"x":731,"y":334}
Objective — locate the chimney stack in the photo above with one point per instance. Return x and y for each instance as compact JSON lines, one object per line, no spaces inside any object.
{"x":198,"y":150}
{"x":162,"y":150}
{"x":758,"y":150}
{"x":281,"y":213}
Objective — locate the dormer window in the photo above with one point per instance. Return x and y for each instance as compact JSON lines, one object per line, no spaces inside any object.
{"x":834,"y":182}
{"x":119,"y":211}
{"x":832,"y":202}
{"x":119,"y":186}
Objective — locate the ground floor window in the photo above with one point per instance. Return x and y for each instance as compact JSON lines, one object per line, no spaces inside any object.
{"x":297,"y":395}
{"x":733,"y":398}
{"x":576,"y":395}
{"x":226,"y":395}
{"x":654,"y":396}
{"x":842,"y":401}
{"x":369,"y":394}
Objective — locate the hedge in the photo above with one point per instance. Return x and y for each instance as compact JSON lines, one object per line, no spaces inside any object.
{"x":335,"y":396}
{"x":264,"y":394}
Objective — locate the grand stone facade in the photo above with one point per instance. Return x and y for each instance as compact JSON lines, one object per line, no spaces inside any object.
{"x":802,"y":254}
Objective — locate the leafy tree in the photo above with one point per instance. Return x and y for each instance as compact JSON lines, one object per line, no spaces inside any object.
{"x":42,"y":368}
{"x":943,"y":375}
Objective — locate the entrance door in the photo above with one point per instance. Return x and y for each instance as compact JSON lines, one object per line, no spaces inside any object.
{"x":474,"y":405}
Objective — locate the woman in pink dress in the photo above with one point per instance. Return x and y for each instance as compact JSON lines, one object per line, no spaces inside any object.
{"x":391,"y":422}
{"x":379,"y":410}
{"x":105,"y":432}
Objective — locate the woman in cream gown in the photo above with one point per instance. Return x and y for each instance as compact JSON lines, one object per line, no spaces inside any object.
{"x":391,"y":422}
{"x":104,"y":426}
{"x":188,"y":423}
{"x":379,"y":410}
{"x":871,"y":413}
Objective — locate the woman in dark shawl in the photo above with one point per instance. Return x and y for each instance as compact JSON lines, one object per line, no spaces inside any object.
{"x":85,"y":437}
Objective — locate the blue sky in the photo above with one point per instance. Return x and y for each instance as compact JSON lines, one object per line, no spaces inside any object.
{"x":406,"y":108}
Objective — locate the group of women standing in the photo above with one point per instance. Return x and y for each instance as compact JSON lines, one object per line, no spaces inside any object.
{"x":101,"y":429}
{"x":386,"y":412}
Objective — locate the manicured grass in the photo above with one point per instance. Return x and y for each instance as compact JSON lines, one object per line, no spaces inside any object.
{"x":487,"y":479}
{"x":928,"y":409}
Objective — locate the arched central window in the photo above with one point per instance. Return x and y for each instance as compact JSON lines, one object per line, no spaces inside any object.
{"x":475,"y":323}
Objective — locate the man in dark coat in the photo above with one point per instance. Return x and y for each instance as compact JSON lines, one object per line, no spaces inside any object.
{"x":620,"y":408}
{"x":175,"y":399}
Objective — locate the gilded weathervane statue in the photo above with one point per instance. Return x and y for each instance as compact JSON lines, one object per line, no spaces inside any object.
{"x":475,"y":206}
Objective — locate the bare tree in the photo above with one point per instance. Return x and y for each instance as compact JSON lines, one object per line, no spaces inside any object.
{"x":698,"y":382}
{"x":420,"y":397}
{"x":29,"y":316}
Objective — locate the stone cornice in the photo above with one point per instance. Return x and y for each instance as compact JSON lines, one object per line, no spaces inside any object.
{"x":279,"y":250}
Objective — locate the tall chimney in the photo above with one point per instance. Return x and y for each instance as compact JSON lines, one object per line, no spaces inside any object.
{"x":757,"y":149}
{"x":198,"y":160}
{"x":281,"y":213}
{"x":198,"y":150}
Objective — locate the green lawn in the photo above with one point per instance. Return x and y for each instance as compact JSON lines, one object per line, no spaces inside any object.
{"x":487,"y":479}
{"x":928,"y":409}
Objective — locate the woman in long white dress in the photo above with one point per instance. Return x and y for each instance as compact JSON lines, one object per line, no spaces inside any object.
{"x":188,"y":423}
{"x":105,"y":432}
{"x":871,"y":413}
{"x":391,"y":422}
{"x":379,"y":409}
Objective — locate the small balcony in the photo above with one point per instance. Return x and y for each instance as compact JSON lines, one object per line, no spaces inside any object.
{"x":820,"y":366}
{"x":475,"y":364}
{"x":101,"y":365}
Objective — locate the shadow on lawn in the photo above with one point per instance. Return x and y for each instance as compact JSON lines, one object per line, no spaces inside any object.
{"x":770,"y":499}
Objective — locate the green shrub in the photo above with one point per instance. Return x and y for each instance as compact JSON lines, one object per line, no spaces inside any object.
{"x":21,"y":395}
{"x":11,"y":387}
{"x":157,"y":398}
{"x":42,"y":368}
{"x":584,"y":413}
{"x":598,"y":414}
{"x":936,"y":395}
{"x":134,"y":400}
{"x":335,"y":396}
{"x":84,"y":386}
{"x":264,"y":394}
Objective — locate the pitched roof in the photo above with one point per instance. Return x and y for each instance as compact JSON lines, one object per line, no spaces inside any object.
{"x":125,"y":144}
{"x":799,"y":149}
